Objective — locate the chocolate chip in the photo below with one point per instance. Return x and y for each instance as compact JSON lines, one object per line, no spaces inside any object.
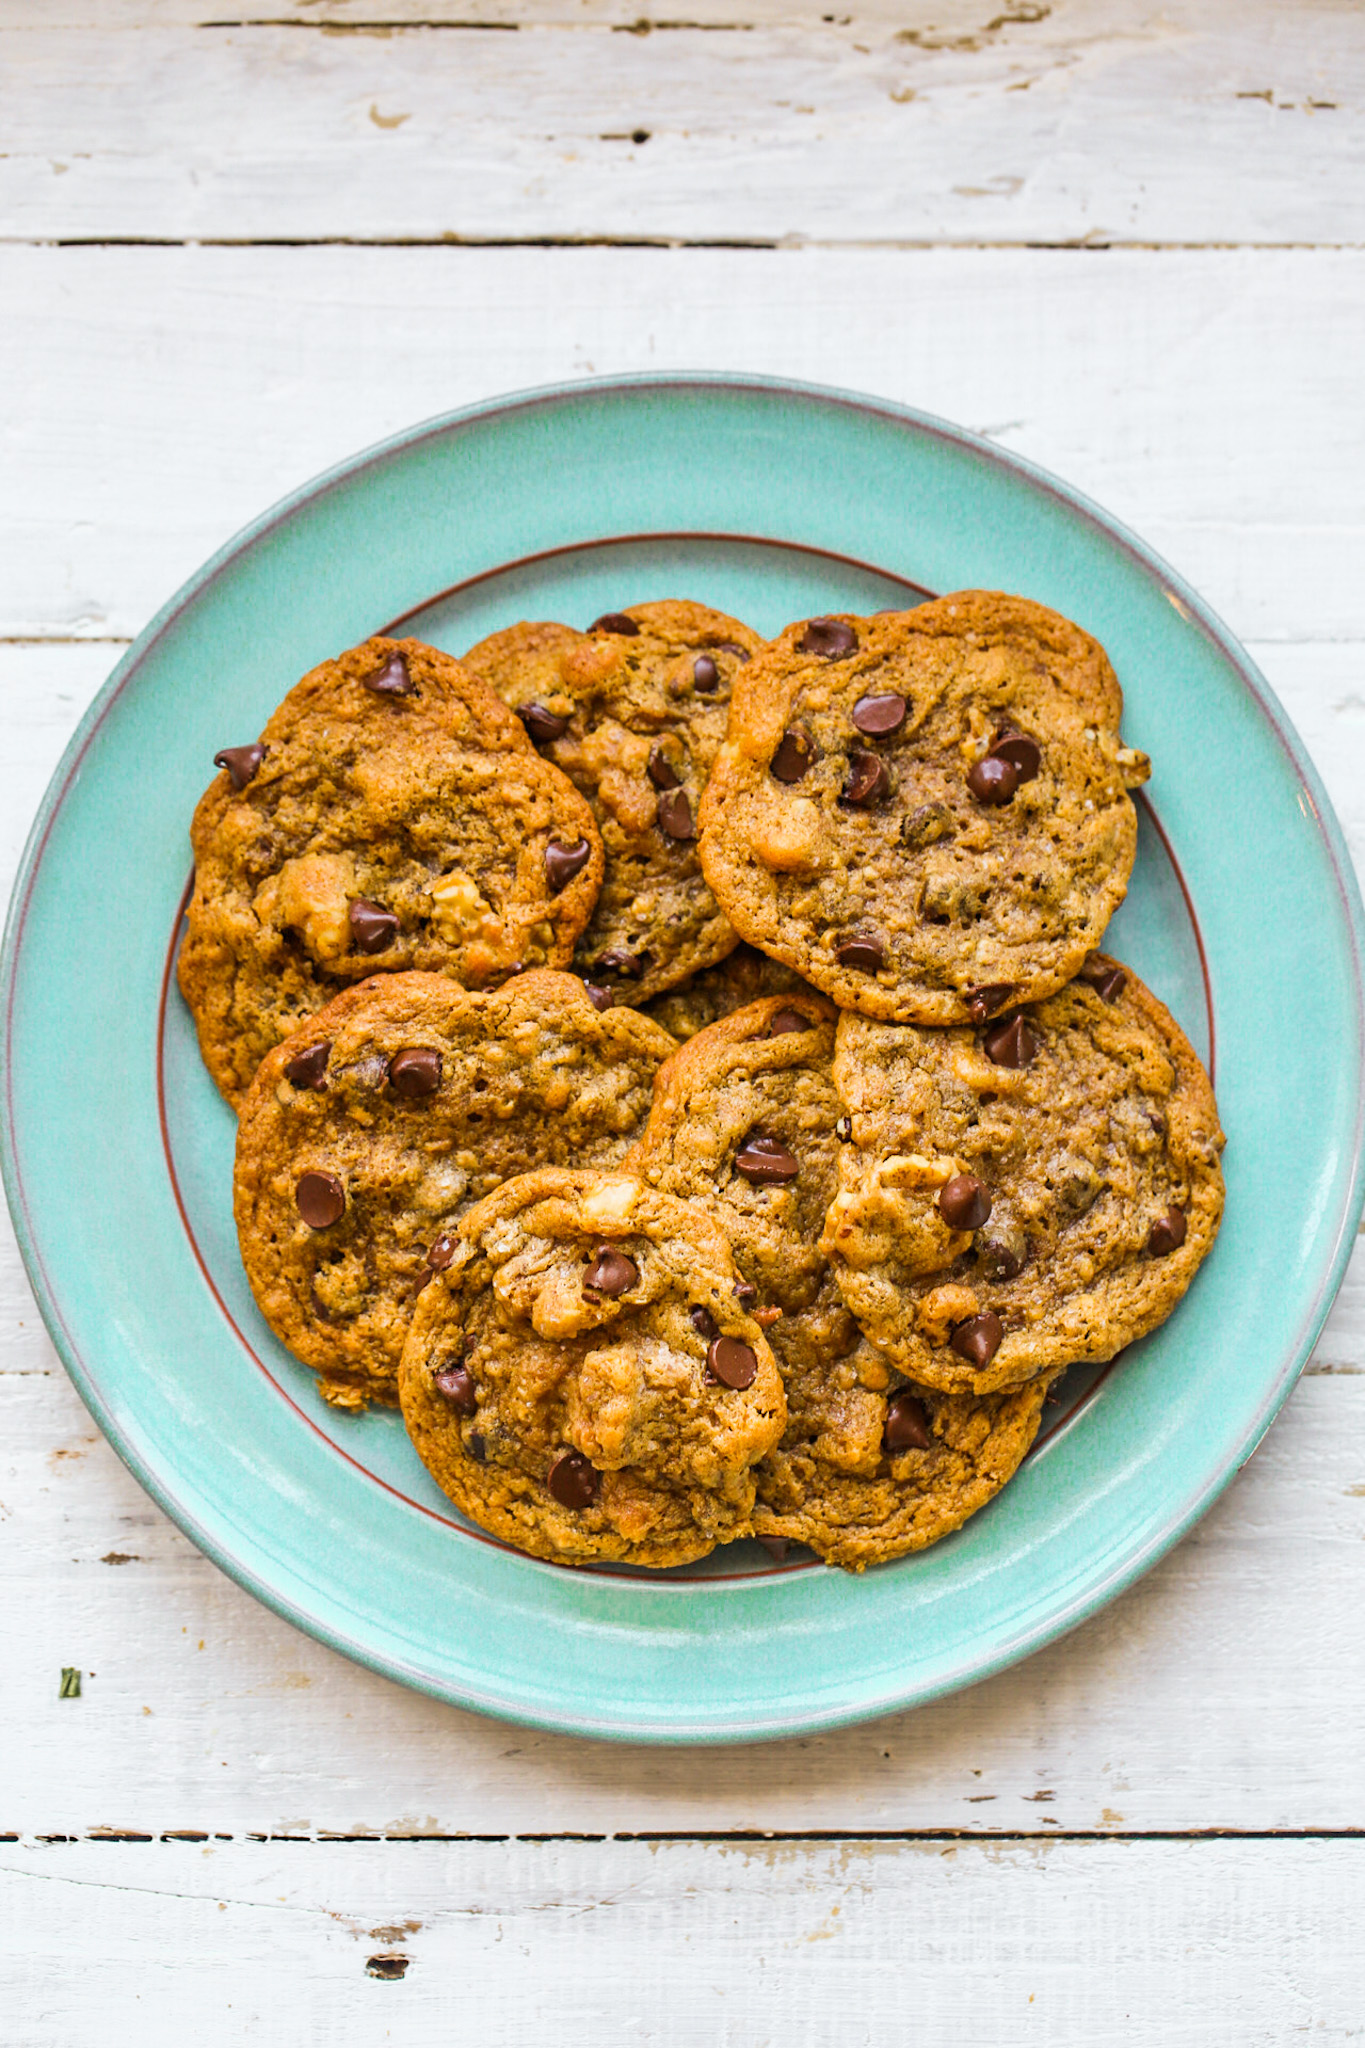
{"x":843,"y":1130}
{"x":424,"y":1279}
{"x":705,"y":674}
{"x":600,"y":998}
{"x":320,"y":1199}
{"x":703,"y":1322}
{"x":1011,"y":1044}
{"x":880,"y":713}
{"x":964,"y":1202}
{"x":829,"y":637}
{"x":732,"y":647}
{"x":1024,"y":755}
{"x":415,"y":1072}
{"x":562,"y":862}
{"x":675,"y":815}
{"x":924,"y":825}
{"x":734,"y":1364}
{"x":373,"y":929}
{"x":615,"y":622}
{"x":572,"y":1480}
{"x":979,"y":1338}
{"x":796,"y":752}
{"x":542,"y":724}
{"x":864,"y":950}
{"x":442,"y":1252}
{"x":308,"y":1069}
{"x":867,"y":781}
{"x":992,"y":781}
{"x":787,"y":1020}
{"x":392,"y":680}
{"x":455,"y":1384}
{"x":1107,"y":980}
{"x":660,"y":769}
{"x":984,"y":1002}
{"x":744,"y":1290}
{"x":1167,"y":1234}
{"x":241,"y":763}
{"x":765,"y":1163}
{"x":776,"y":1547}
{"x":621,"y":966}
{"x":478,"y":1449}
{"x":611,"y":1272}
{"x":907,"y":1425}
{"x":1001,"y":1250}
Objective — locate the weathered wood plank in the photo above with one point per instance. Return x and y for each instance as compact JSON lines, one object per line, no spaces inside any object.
{"x":1080,"y":1945}
{"x":163,"y":397}
{"x":1079,"y":122}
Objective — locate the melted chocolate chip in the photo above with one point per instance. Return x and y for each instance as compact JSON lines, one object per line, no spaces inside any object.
{"x":660,"y":769}
{"x":861,"y":949}
{"x":442,"y":1252}
{"x":732,"y":647}
{"x":764,"y":1163}
{"x":620,"y":966}
{"x":828,"y":637}
{"x":705,"y":674}
{"x":415,"y":1072}
{"x":573,"y":1481}
{"x":241,"y":763}
{"x":907,"y":1425}
{"x":1011,"y":1044}
{"x":1024,"y":755}
{"x":600,"y":998}
{"x":424,"y":1279}
{"x":320,"y":1199}
{"x":703,"y":1322}
{"x":1001,"y":1250}
{"x":478,"y":1449}
{"x":984,"y":1002}
{"x":615,"y":622}
{"x":541,"y":724}
{"x":992,"y":781}
{"x":456,"y":1386}
{"x":373,"y":929}
{"x":1167,"y":1234}
{"x":610,"y":1272}
{"x":675,"y":815}
{"x":796,"y":752}
{"x":562,"y":862}
{"x":392,"y":680}
{"x":734,"y":1364}
{"x":744,"y":1290}
{"x":783,"y":1021}
{"x":880,"y":713}
{"x":964,"y":1202}
{"x":1107,"y":980}
{"x":308,"y":1069}
{"x":867,"y":781}
{"x":979,"y":1338}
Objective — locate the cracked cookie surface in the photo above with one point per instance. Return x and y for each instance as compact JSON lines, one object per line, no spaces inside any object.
{"x":581,"y":1379}
{"x":393,"y":815}
{"x":925,"y":813}
{"x":634,"y":711}
{"x":1023,"y":1196}
{"x":369,"y":1132}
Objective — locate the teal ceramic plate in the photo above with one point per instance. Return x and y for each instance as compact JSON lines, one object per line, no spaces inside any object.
{"x":773,"y":502}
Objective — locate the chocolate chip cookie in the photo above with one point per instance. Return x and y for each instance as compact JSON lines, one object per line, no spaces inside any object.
{"x":741,"y":978}
{"x":370,"y":1131}
{"x":871,"y":1467}
{"x":582,"y":1379}
{"x":1023,"y":1194}
{"x":633,"y":711}
{"x":926,"y":813}
{"x":393,"y":814}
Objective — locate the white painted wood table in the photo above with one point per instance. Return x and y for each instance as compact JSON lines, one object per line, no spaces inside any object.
{"x":1126,"y":240}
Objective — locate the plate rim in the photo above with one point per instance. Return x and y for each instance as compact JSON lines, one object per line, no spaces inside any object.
{"x":1195,"y":612}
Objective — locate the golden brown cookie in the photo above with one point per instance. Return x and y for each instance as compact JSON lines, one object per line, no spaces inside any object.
{"x":741,"y":978}
{"x":864,"y":1476}
{"x":925,"y":813}
{"x":1017,"y":1197}
{"x":392,"y":815}
{"x":582,"y":1380}
{"x":383,"y":1119}
{"x":633,"y":711}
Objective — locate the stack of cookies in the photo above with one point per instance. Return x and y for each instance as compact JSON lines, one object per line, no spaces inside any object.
{"x":681,"y":1070}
